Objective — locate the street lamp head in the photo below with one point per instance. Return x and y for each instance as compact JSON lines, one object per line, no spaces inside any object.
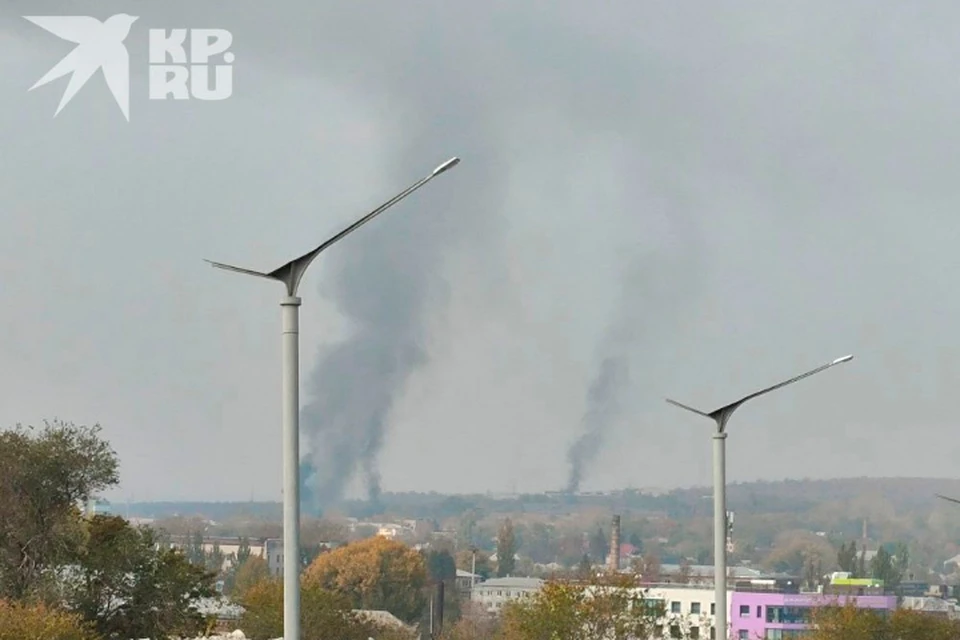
{"x":843,"y":359}
{"x":449,"y":164}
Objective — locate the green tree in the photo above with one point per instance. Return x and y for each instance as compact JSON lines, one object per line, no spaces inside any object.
{"x":599,"y":545}
{"x":128,"y":588}
{"x":38,"y":622}
{"x":608,"y":608}
{"x":901,"y":561}
{"x":214,"y":559}
{"x":539,"y":543}
{"x":847,"y":557}
{"x":585,"y":568}
{"x":506,"y":549}
{"x":243,"y":551}
{"x":193,"y":549}
{"x":324,"y":615}
{"x":249,"y":573}
{"x":889,"y":568}
{"x":44,"y":474}
{"x":441,"y":567}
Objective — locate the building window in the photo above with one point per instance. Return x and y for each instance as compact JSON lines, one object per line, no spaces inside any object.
{"x":788,"y":615}
{"x":713,"y":608}
{"x":694,"y":633}
{"x":674,"y":607}
{"x":694,"y":607}
{"x":743,"y":635}
{"x":744,"y":611}
{"x":759,"y":608}
{"x":675,"y":631}
{"x":713,"y":633}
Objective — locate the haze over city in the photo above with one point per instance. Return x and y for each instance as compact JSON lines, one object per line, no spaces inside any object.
{"x":711,"y":198}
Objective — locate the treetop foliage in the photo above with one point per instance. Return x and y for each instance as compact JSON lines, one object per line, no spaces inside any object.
{"x":375,"y":573}
{"x":114,"y":579}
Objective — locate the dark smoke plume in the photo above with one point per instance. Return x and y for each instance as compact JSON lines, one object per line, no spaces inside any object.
{"x":604,"y":395}
{"x":390,"y":285}
{"x":603,"y":408}
{"x":659,"y":285}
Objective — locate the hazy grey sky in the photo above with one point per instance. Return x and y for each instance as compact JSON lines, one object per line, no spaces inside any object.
{"x":787,"y":172}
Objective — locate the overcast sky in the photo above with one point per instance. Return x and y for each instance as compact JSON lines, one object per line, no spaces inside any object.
{"x":770,"y":185}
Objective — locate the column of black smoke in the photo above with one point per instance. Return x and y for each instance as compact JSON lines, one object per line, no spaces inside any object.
{"x":603,"y":402}
{"x":654,"y":293}
{"x":388,"y":281}
{"x":603,"y":408}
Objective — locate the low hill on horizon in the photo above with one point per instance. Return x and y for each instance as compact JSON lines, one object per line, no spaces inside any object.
{"x":790,"y":495}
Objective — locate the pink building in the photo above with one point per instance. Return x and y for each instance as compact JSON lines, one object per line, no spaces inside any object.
{"x":784,"y":616}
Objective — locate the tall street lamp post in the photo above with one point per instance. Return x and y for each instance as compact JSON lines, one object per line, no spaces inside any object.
{"x":290,"y":275}
{"x":721,"y":416}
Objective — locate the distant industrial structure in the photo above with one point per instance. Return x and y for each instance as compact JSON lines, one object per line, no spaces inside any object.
{"x":613,"y":558}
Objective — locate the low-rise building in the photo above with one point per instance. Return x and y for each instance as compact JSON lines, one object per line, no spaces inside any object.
{"x":466,"y":580}
{"x":701,"y":574}
{"x":933,"y":606}
{"x":785,"y":616}
{"x":273,"y":553}
{"x":690,"y":610}
{"x":494,"y":593}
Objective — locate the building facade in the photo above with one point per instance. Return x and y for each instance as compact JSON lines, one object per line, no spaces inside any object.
{"x":785,"y":616}
{"x":690,"y":610}
{"x":496,"y":592}
{"x":273,"y":554}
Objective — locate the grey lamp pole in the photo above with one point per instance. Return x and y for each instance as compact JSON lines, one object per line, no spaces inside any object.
{"x":290,"y":275}
{"x":721,"y":416}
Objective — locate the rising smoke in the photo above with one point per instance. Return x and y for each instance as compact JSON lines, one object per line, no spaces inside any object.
{"x":603,"y":409}
{"x":390,"y":286}
{"x":444,"y":91}
{"x":653,"y":294}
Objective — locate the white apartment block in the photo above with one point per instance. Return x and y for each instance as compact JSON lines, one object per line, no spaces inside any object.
{"x":273,"y":553}
{"x":496,"y":592}
{"x":690,"y":610}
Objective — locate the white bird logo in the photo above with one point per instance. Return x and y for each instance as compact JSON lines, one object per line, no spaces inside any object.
{"x":99,"y":46}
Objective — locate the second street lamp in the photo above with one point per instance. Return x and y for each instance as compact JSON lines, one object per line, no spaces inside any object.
{"x":290,"y":274}
{"x":720,"y":417}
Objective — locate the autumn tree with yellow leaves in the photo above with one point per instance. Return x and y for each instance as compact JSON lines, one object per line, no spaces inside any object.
{"x":324,"y":615}
{"x":852,"y":623}
{"x":375,"y":573}
{"x":26,"y":621}
{"x":611,"y":608}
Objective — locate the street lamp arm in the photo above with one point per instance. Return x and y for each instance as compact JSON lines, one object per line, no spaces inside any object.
{"x":292,"y":272}
{"x":948,"y":499}
{"x":780,"y":385}
{"x":230,"y":267}
{"x":722,"y":415}
{"x":690,"y":409}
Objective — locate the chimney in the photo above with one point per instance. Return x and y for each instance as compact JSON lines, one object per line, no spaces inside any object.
{"x":613,"y":560}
